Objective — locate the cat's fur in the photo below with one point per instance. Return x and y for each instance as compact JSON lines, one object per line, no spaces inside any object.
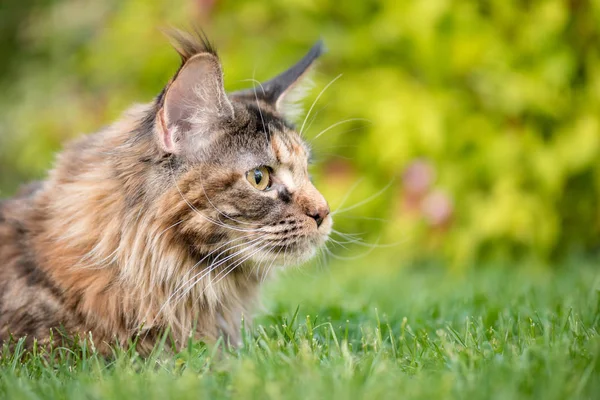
{"x":151,"y":223}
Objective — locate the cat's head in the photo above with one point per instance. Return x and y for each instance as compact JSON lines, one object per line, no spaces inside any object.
{"x":238,"y":166}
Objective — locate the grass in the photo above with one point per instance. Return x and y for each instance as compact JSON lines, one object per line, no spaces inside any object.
{"x":366,"y":330}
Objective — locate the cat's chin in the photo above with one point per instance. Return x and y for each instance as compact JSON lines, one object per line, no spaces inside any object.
{"x":293,"y":255}
{"x":290,"y":258}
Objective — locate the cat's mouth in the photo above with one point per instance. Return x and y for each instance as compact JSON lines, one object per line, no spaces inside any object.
{"x":294,"y":250}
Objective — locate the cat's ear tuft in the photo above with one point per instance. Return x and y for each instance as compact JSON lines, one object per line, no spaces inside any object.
{"x":189,"y":44}
{"x":287,"y":89}
{"x":194,"y":101}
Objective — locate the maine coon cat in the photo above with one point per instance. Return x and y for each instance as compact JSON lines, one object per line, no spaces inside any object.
{"x":167,"y":219}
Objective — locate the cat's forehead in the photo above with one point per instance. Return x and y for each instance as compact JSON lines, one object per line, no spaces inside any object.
{"x":280,"y":137}
{"x":282,"y":140}
{"x":288,"y":148}
{"x":260,"y":136}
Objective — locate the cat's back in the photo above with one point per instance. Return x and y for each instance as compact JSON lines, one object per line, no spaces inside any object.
{"x":14,"y":213}
{"x":27,"y":301}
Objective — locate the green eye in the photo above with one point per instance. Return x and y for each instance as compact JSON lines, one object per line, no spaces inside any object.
{"x":259,"y":177}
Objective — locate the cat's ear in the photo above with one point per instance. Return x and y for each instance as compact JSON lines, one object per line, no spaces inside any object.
{"x":288,"y":88}
{"x":194,"y":104}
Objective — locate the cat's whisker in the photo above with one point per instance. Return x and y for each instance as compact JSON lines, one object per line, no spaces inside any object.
{"x":257,"y":266}
{"x":223,"y":251}
{"x":268,"y":270}
{"x":336,"y":125}
{"x":228,"y":249}
{"x":357,"y":238}
{"x":316,"y":100}
{"x":314,"y":117}
{"x":347,"y":239}
{"x":338,"y":146}
{"x":182,"y":286}
{"x":363,"y":218}
{"x":168,"y":228}
{"x":214,"y":266}
{"x":155,"y":239}
{"x":363,"y":202}
{"x":322,"y":257}
{"x":266,"y":274}
{"x":265,"y":258}
{"x":285,"y":253}
{"x":342,"y":244}
{"x":196,"y":281}
{"x":259,"y":83}
{"x":344,"y":132}
{"x":230,"y":269}
{"x":352,"y":238}
{"x":348,"y":193}
{"x":216,"y":263}
{"x":348,"y":233}
{"x":349,"y":236}
{"x":364,"y":254}
{"x":268,"y":262}
{"x":266,"y":253}
{"x":330,"y":156}
{"x":256,"y":99}
{"x":98,"y":264}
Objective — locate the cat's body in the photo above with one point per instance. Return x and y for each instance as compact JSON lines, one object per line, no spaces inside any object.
{"x":161,"y":221}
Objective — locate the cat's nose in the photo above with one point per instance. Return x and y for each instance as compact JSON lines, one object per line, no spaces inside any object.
{"x":319,"y":214}
{"x":313,"y":203}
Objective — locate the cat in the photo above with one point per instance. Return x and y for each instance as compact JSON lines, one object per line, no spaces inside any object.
{"x":169,"y":219}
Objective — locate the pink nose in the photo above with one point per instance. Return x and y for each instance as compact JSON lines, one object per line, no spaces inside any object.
{"x":319,"y":214}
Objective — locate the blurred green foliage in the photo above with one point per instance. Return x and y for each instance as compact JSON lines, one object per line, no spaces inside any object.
{"x":499,"y":100}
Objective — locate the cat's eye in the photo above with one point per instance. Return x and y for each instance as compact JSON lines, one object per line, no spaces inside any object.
{"x":259,"y":177}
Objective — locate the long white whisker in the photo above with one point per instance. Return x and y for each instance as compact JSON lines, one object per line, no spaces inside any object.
{"x":349,"y":192}
{"x":313,"y":119}
{"x":257,"y":265}
{"x":209,"y":268}
{"x":96,"y":264}
{"x":208,"y":271}
{"x":338,"y":124}
{"x":365,"y":201}
{"x":168,"y":228}
{"x":363,"y":218}
{"x":342,"y":244}
{"x":315,"y":102}
{"x":270,"y":266}
{"x":366,"y":253}
{"x":182,"y":286}
{"x":257,"y":104}
{"x":352,"y":238}
{"x":322,"y":258}
{"x":230,"y":269}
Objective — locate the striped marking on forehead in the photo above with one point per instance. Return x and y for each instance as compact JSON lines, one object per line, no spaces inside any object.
{"x":288,"y":149}
{"x":292,"y":159}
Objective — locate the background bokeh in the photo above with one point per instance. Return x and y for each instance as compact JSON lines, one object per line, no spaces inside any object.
{"x":468,"y":130}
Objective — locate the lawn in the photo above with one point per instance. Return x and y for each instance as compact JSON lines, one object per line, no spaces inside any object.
{"x":367,"y":329}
